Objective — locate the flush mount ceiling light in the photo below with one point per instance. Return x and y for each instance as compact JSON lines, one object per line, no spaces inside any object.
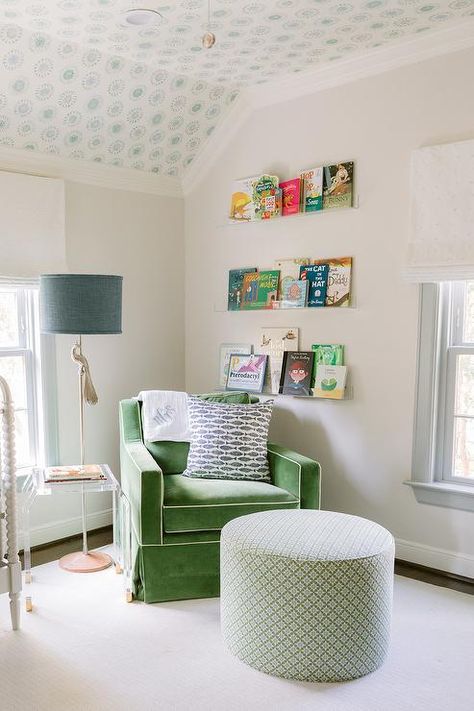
{"x":208,"y":38}
{"x":141,"y":17}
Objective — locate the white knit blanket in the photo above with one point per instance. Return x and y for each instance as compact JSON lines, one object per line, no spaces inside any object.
{"x":165,"y":416}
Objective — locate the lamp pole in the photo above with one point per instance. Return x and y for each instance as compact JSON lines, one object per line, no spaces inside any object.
{"x":78,"y":358}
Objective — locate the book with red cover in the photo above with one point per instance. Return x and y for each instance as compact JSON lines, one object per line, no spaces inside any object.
{"x":291,"y":195}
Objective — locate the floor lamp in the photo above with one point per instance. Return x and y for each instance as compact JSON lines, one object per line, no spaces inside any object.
{"x":82,"y":304}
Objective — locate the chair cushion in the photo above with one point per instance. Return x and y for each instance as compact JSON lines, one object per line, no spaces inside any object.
{"x":228,"y":441}
{"x":208,"y":504}
{"x":172,"y":456}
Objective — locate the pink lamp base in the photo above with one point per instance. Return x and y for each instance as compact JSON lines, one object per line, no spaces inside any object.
{"x":85,"y":562}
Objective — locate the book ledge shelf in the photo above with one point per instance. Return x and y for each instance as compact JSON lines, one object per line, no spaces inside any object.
{"x":286,"y":218}
{"x":220,"y":309}
{"x":348,"y":395}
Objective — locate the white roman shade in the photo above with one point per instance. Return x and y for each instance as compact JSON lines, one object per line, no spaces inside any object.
{"x":32,"y":233}
{"x":441,"y":246}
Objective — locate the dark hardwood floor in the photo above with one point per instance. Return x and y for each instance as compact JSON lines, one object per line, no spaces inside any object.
{"x":56,"y":549}
{"x":103,"y":536}
{"x":434,"y":577}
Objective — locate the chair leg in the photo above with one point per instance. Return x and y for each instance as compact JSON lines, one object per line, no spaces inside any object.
{"x":15,"y":610}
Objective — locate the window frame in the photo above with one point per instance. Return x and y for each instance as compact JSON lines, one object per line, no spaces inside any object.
{"x":439,"y":345}
{"x":38,"y":352}
{"x":456,"y":346}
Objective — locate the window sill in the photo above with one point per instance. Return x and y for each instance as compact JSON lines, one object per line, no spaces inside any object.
{"x":436,"y":493}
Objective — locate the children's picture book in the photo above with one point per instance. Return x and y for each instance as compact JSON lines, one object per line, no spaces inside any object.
{"x":294,"y":294}
{"x":289,"y":270}
{"x":225,"y":352}
{"x":317,"y":275}
{"x":312,"y":191}
{"x":249,"y":290}
{"x":242,"y":208}
{"x":267,"y":290}
{"x":274,"y":342}
{"x":236,"y":281}
{"x":339,"y":280}
{"x":296,"y":373}
{"x":266,"y":197}
{"x":338,"y":180}
{"x":330,"y":381}
{"x":275,"y":207}
{"x":328,"y":354}
{"x":290,"y":196}
{"x":246,"y":372}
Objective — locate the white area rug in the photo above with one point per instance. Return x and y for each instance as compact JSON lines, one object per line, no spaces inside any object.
{"x":83,"y":648}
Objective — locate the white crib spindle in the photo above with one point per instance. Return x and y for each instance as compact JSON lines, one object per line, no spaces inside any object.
{"x":9,"y":483}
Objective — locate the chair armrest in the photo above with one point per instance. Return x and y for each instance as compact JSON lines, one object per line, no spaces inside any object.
{"x":141,"y":477}
{"x":296,"y":474}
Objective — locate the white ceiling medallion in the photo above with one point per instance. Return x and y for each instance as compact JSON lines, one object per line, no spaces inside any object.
{"x":140,"y":17}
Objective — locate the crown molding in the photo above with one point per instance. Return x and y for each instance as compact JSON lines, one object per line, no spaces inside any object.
{"x":366,"y":64}
{"x":238,"y":112}
{"x":16,"y":160}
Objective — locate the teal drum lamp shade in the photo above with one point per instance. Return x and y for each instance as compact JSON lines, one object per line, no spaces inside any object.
{"x":81,"y":304}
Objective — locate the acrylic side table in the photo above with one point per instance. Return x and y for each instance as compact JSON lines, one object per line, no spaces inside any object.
{"x":35,"y":485}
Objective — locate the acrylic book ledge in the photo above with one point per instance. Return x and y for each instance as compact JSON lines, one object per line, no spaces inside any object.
{"x":221,"y":308}
{"x":348,"y":395}
{"x":290,"y":218}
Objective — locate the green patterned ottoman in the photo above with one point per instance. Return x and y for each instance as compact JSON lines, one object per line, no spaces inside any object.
{"x":307,"y":594}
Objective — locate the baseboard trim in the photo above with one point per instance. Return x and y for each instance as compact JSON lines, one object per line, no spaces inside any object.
{"x":435,"y":558}
{"x":65,"y":528}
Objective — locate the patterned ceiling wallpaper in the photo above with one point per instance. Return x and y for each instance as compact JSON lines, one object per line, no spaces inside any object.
{"x":74,"y":81}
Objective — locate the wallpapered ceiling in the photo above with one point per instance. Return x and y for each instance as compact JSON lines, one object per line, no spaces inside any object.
{"x":75,"y":82}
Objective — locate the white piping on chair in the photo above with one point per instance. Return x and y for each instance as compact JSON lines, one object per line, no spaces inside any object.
{"x":236,"y":503}
{"x":299,"y":469}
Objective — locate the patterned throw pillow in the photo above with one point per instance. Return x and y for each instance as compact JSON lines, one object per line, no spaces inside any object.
{"x":228,"y":441}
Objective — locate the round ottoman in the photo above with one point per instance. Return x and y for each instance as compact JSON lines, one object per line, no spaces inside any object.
{"x":307,"y":594}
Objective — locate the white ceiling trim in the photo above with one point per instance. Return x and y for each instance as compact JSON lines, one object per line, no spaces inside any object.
{"x":337,"y":73}
{"x":229,"y":125}
{"x":16,"y":160}
{"x":365,"y":64}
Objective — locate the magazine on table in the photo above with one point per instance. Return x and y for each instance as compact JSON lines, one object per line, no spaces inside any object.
{"x":68,"y":473}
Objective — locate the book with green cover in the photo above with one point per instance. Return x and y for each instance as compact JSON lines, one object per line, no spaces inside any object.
{"x":236,"y":282}
{"x":249,"y":290}
{"x":267,"y":290}
{"x":312,"y":189}
{"x":327,"y":354}
{"x":266,"y":196}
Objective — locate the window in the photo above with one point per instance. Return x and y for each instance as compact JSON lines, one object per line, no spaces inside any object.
{"x":458,"y":426}
{"x":443,"y":457}
{"x":20,"y":366}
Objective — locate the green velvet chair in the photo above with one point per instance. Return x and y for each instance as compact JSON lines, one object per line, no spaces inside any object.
{"x":176,"y":521}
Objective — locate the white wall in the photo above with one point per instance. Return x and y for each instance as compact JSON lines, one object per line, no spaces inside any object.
{"x":141,"y":237}
{"x":364,"y":445}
